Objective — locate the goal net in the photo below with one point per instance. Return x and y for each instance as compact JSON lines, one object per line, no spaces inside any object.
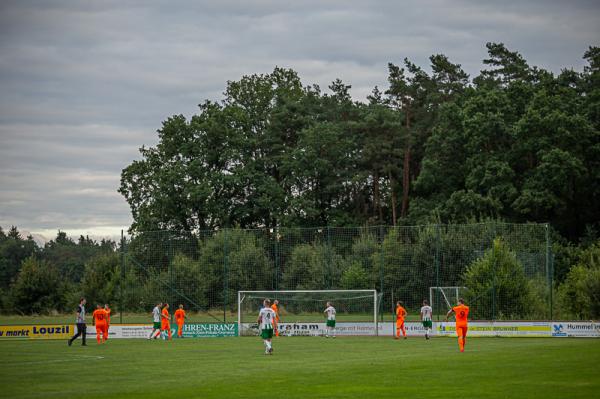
{"x":302,"y":312}
{"x":443,"y":299}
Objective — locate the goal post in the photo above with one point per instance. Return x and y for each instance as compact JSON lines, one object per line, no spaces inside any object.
{"x":448,"y":297}
{"x":300,"y":307}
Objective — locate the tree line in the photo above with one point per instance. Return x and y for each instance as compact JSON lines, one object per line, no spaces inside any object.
{"x":506,"y":278}
{"x":516,"y":143}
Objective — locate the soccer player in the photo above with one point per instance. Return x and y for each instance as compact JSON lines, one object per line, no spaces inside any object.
{"x":461,"y":314}
{"x":107,"y":309}
{"x":166,"y":322}
{"x":156,"y":320}
{"x":80,"y":321}
{"x":99,"y":317}
{"x":180,"y":319}
{"x":276,"y":319}
{"x":330,"y":311}
{"x":265,"y":321}
{"x":400,"y":315}
{"x":426,"y":312}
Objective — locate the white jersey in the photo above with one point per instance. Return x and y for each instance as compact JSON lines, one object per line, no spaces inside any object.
{"x":266,"y":315}
{"x":156,"y":314}
{"x":426,"y":313}
{"x":330,"y":313}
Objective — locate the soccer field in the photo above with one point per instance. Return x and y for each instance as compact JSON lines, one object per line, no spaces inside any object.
{"x":303,"y":367}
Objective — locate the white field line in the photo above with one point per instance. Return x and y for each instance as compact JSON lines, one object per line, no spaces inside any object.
{"x":75,"y":358}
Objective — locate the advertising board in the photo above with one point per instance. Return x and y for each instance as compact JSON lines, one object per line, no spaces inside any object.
{"x":202,"y":330}
{"x":39,"y":331}
{"x":498,"y":329}
{"x":191,"y":330}
{"x":575,"y":329}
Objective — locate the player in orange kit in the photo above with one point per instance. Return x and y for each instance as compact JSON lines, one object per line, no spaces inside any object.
{"x":107,"y":309}
{"x":99,"y":316}
{"x":180,"y":319}
{"x":461,"y":314}
{"x":166,"y":321}
{"x":400,"y":315}
{"x":276,"y":319}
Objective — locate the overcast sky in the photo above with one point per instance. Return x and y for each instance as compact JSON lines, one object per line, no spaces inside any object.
{"x":84,"y":84}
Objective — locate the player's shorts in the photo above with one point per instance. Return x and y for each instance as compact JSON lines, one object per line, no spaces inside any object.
{"x":166,"y":326}
{"x":330,"y":323}
{"x":100,"y":327}
{"x":156,"y":325}
{"x":266,"y":333}
{"x":399,"y":323}
{"x":461,"y":331}
{"x":427,"y":324}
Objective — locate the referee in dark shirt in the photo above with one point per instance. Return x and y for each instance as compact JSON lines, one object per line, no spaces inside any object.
{"x":81,"y":328}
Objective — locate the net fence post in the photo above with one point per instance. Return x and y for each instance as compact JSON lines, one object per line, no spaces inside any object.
{"x":225,"y":275}
{"x":494,"y":265}
{"x":438,"y":244}
{"x":381,"y":262}
{"x":329,"y":259}
{"x":277,"y":266}
{"x":239,"y":306}
{"x":171,"y":274}
{"x":122,"y":278}
{"x":549,"y":271}
{"x":375,"y":313}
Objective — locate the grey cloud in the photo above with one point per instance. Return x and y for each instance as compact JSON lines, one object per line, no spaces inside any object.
{"x":84,"y":84}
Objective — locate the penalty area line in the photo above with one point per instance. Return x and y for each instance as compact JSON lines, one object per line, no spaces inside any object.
{"x":75,"y":358}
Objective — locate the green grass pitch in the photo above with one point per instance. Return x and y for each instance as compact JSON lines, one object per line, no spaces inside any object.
{"x":302,"y":367}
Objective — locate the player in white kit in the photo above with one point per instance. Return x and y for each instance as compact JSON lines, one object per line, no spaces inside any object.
{"x":330,"y":311}
{"x":156,"y":320}
{"x":426,"y":312}
{"x":265,"y":321}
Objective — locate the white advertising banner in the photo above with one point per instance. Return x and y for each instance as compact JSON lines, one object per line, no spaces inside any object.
{"x":498,"y":329}
{"x":576,"y":329}
{"x":124,"y":331}
{"x":319,"y":329}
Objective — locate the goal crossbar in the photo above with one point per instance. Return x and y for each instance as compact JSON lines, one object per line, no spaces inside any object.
{"x":273,"y":293}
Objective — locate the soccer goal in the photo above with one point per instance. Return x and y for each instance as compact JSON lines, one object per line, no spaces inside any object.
{"x":301,"y":311}
{"x":442,"y":298}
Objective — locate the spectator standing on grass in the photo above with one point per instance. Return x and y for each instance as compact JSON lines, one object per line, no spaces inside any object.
{"x":80,"y":322}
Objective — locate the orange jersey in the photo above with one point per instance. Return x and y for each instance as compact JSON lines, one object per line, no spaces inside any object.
{"x":99,"y":316}
{"x":179,"y":315}
{"x":274,"y":307}
{"x":461,"y":313}
{"x":400,"y":313}
{"x":165,"y":319}
{"x":107,"y":315}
